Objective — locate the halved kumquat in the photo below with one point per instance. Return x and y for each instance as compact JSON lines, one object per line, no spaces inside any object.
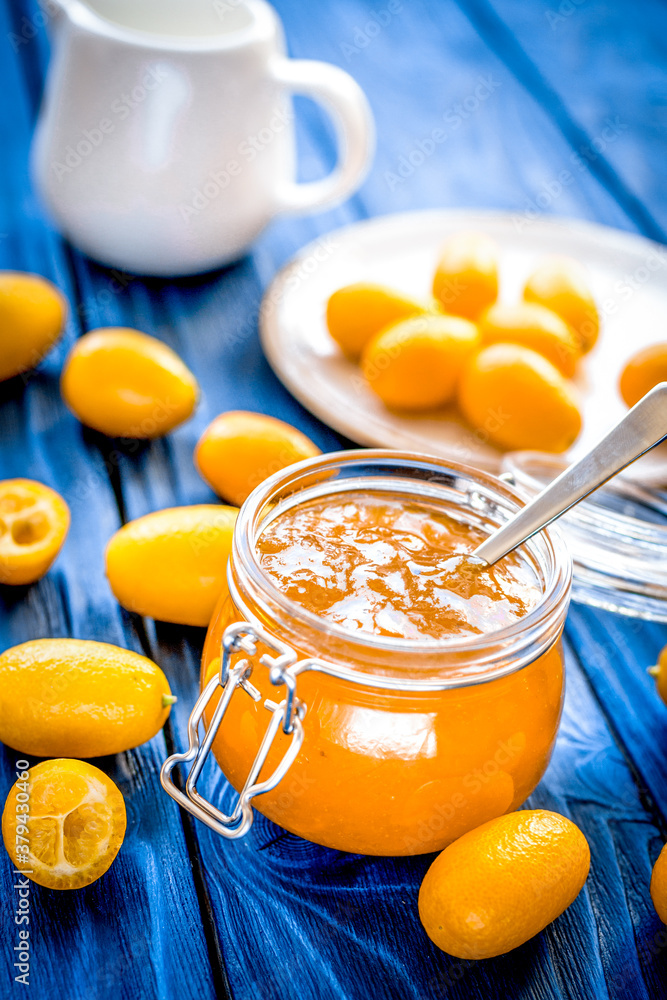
{"x":63,"y":823}
{"x":34,"y":521}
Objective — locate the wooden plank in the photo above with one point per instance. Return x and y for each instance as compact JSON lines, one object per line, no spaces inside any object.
{"x":423,"y":70}
{"x":319,"y":913}
{"x":296,"y":918}
{"x":115,"y":937}
{"x":601,"y":72}
{"x":615,"y":654}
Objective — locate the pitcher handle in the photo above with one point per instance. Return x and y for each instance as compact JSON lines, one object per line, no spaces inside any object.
{"x":347,"y":104}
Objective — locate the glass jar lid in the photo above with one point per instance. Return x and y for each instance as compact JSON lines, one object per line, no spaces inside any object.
{"x":617,"y":538}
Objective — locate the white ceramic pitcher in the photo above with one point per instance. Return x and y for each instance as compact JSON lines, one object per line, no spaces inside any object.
{"x":165,"y":142}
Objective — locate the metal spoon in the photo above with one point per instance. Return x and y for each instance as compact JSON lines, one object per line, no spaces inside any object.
{"x":642,"y":428}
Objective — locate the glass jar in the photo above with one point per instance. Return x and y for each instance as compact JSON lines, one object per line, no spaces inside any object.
{"x":379,"y":745}
{"x":617,"y":538}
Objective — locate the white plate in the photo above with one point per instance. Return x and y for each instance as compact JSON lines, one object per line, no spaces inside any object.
{"x":628,"y":276}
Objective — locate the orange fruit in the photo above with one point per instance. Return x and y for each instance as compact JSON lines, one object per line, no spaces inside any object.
{"x":498,"y":885}
{"x":32,"y":317}
{"x":79,"y":698}
{"x":643,"y":372}
{"x":535,"y":327}
{"x":659,"y":885}
{"x":517,"y":399}
{"x":560,"y":284}
{"x":239,"y":449}
{"x":126,"y":384}
{"x":172,"y":564}
{"x":466,"y":277}
{"x":659,"y":672}
{"x":357,"y":312}
{"x":63,"y":823}
{"x":34,"y":521}
{"x":415,"y":364}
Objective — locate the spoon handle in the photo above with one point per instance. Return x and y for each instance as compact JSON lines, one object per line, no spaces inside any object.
{"x":643,"y":427}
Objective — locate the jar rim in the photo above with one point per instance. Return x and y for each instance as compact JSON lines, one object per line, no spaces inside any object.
{"x":617,"y":538}
{"x":548,"y":550}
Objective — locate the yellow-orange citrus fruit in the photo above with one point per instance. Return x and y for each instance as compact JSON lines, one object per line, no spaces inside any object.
{"x":642,"y":372}
{"x":79,"y":698}
{"x":63,"y":823}
{"x":659,"y":885}
{"x":466,"y":277}
{"x":535,"y":327}
{"x":172,"y":564}
{"x":126,"y":384}
{"x":519,"y":400}
{"x":498,"y":885}
{"x":560,"y":284}
{"x":32,"y":316}
{"x":34,"y":521}
{"x":659,"y":672}
{"x":357,"y":312}
{"x":239,"y":449}
{"x":415,"y":364}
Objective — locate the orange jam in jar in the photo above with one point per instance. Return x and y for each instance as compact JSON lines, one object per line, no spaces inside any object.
{"x":432,"y":686}
{"x":392,"y":568}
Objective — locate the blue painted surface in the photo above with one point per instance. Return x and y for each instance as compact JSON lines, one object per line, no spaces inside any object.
{"x":182,"y":913}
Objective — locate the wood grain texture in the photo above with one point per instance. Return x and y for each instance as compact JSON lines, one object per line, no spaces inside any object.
{"x":292,"y":918}
{"x":615,"y":654}
{"x":601,"y":70}
{"x":422,"y":72}
{"x":115,"y":937}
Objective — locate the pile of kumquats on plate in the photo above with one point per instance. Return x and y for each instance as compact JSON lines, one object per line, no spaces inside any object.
{"x":507,"y":368}
{"x":170,"y":564}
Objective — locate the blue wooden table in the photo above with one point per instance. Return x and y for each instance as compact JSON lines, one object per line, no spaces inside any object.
{"x":577,"y":85}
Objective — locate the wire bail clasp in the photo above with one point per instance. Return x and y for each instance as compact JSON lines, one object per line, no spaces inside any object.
{"x":239,"y":644}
